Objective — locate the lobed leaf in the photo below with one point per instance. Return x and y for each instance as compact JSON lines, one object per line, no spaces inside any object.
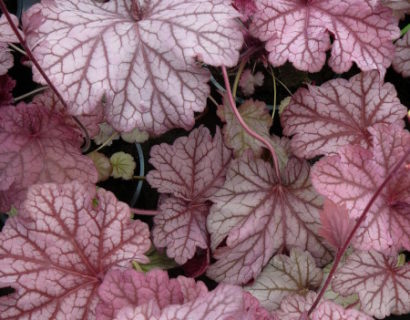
{"x":285,"y":275}
{"x":258,"y":216}
{"x":298,"y":31}
{"x":140,"y":56}
{"x":351,"y":177}
{"x":37,"y":146}
{"x":382,"y":286}
{"x":56,"y":252}
{"x":339,"y":112}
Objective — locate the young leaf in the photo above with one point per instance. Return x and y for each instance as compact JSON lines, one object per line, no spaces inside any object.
{"x":401,"y":61}
{"x":249,"y":81}
{"x":102,"y":164}
{"x":56,"y":252}
{"x":140,"y":55}
{"x":351,"y":178}
{"x":123,"y":165}
{"x":383,"y":288}
{"x":339,"y":112}
{"x":336,"y":224}
{"x":258,"y":216}
{"x":38,"y":145}
{"x":285,"y":275}
{"x":191,"y":169}
{"x":256,"y":116}
{"x":298,"y":31}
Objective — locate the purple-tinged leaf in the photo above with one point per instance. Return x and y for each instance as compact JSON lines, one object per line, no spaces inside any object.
{"x":56,"y":252}
{"x":339,"y":112}
{"x":383,"y":286}
{"x":249,"y":81}
{"x":336,"y":224}
{"x":246,"y":7}
{"x":37,"y":146}
{"x":351,"y":178}
{"x":401,"y":61}
{"x":7,"y":85}
{"x":298,"y":31}
{"x":285,"y":275}
{"x":6,"y":32}
{"x":141,"y":56}
{"x":258,"y":216}
{"x":192,"y":169}
{"x":91,"y":121}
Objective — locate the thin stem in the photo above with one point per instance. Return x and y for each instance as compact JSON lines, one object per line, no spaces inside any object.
{"x":245,"y":126}
{"x":138,"y":177}
{"x":213,"y":100}
{"x":30,"y":55}
{"x":274,"y":92}
{"x":14,"y":47}
{"x":105,"y":142}
{"x":28,"y":94}
{"x":342,"y":250}
{"x":144,"y":212}
{"x":238,"y":77}
{"x":404,"y":30}
{"x":284,"y":86}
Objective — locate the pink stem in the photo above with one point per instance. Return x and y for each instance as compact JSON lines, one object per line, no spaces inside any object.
{"x":245,"y":126}
{"x":342,"y":250}
{"x":144,"y":212}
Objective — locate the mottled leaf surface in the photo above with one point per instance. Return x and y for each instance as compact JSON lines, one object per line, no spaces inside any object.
{"x":339,"y":112}
{"x":298,"y":31}
{"x":257,"y":215}
{"x":140,"y":56}
{"x":38,"y":145}
{"x":400,"y":7}
{"x":192,"y":170}
{"x":401,"y":61}
{"x":351,"y":177}
{"x":285,"y":275}
{"x":56,"y":251}
{"x":256,"y":116}
{"x":382,"y":286}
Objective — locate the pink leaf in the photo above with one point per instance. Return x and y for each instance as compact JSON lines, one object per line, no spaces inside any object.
{"x":6,"y":32}
{"x":131,"y":288}
{"x":6,"y":59}
{"x":285,"y":275}
{"x":252,"y":310}
{"x":298,"y":31}
{"x":295,"y":307}
{"x":140,"y":55}
{"x":258,"y":216}
{"x":37,"y":146}
{"x":56,"y":251}
{"x":249,"y":81}
{"x":246,"y":7}
{"x":90,"y":121}
{"x":382,"y":286}
{"x":191,"y":169}
{"x":224,"y":301}
{"x":401,"y":61}
{"x":351,"y":178}
{"x":339,"y":112}
{"x":181,"y":227}
{"x":336,"y":224}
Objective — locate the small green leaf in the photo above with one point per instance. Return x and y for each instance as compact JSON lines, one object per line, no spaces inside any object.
{"x":123,"y":165}
{"x":157,"y":261}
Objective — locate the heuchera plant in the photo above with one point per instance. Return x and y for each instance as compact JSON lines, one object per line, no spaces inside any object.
{"x":294,"y":212}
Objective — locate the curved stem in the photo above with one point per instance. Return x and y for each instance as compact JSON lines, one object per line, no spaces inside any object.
{"x":28,"y":94}
{"x":274,"y":92}
{"x":238,"y":77}
{"x":15,"y":48}
{"x":245,"y":126}
{"x":30,"y":55}
{"x":343,"y":248}
{"x":105,"y":142}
